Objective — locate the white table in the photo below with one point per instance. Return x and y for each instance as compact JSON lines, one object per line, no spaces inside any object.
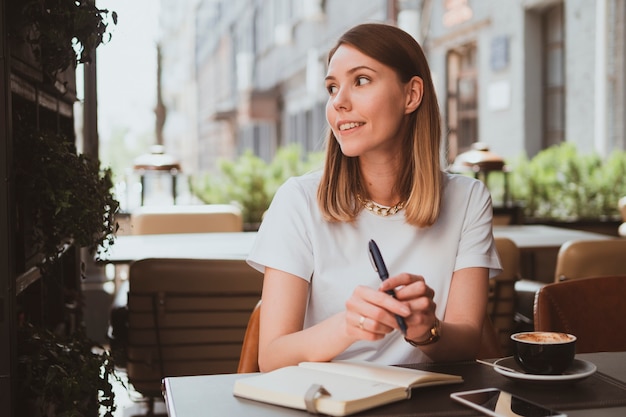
{"x":538,"y":236}
{"x":130,"y":248}
{"x":237,"y":245}
{"x":539,"y":245}
{"x":232,"y":245}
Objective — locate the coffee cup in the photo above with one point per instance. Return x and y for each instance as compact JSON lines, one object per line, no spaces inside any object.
{"x":544,"y":353}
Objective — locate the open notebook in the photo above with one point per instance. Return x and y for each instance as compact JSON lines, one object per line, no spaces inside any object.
{"x":337,"y":388}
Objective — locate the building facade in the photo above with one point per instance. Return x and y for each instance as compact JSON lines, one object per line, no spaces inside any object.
{"x":519,"y":75}
{"x":524,"y":75}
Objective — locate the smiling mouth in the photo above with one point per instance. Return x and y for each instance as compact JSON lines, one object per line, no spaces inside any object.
{"x":351,"y":125}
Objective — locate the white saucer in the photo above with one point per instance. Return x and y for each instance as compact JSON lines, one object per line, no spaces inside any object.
{"x":580,"y":369}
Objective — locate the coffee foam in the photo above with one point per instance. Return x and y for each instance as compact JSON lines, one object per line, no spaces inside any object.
{"x":544,"y":337}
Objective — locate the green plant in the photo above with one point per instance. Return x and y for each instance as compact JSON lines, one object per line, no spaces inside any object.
{"x":63,"y":376}
{"x":250,"y":182}
{"x":559,"y":183}
{"x":66,"y":195}
{"x":62,"y":33}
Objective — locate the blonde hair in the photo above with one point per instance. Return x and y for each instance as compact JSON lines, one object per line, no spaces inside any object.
{"x":420,"y":181}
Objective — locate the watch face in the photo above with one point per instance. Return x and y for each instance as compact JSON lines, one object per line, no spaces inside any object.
{"x":434,"y":336}
{"x":434,"y":332}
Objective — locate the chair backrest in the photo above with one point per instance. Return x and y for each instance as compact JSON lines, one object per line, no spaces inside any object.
{"x":187,"y":317}
{"x":591,"y":258}
{"x":501,"y":301}
{"x":249,"y":359}
{"x":204,"y":218}
{"x":592,"y":309}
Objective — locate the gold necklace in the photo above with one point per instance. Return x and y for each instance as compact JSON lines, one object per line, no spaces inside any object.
{"x":378,"y":209}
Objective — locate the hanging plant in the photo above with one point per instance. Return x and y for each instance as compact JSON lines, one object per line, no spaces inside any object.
{"x":62,"y":33}
{"x":66,"y":194}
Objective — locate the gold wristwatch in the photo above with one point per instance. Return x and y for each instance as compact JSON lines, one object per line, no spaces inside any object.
{"x":435,"y":333}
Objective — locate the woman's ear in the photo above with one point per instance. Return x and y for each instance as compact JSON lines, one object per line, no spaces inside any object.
{"x":415,"y":92}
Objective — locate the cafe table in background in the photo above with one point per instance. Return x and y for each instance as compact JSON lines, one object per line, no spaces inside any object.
{"x":229,"y":245}
{"x":237,"y":245}
{"x":538,"y":244}
{"x":130,"y":248}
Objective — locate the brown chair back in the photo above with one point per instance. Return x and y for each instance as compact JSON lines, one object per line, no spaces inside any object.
{"x":592,"y":309}
{"x":201,"y":218}
{"x":502,"y":296}
{"x":249,"y":359}
{"x":187,"y":317}
{"x":591,"y":258}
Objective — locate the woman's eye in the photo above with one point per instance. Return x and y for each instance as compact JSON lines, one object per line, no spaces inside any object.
{"x":332,"y":89}
{"x":362,"y":81}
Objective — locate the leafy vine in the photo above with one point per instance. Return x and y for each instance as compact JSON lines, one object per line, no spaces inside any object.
{"x":67,"y":195}
{"x":61,"y":33}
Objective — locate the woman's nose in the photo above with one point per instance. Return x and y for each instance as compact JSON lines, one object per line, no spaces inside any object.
{"x":341,"y":100}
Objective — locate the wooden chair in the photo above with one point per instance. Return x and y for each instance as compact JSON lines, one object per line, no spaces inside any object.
{"x":502,"y":297}
{"x":590,"y":258}
{"x":187,"y":317}
{"x":200,"y":218}
{"x":592,"y":309}
{"x":249,"y":358}
{"x":203,"y":218}
{"x":575,"y":259}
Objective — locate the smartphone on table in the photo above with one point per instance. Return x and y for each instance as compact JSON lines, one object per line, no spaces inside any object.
{"x":497,"y":403}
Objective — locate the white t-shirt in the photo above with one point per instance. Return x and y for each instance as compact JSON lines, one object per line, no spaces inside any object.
{"x":334,"y":257}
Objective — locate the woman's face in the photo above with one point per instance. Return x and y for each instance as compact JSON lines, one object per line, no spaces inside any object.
{"x":367,"y":103}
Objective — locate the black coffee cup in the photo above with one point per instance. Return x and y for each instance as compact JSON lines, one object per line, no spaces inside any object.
{"x":544,"y":353}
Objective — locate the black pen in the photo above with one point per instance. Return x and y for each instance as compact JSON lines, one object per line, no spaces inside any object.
{"x":381,"y":268}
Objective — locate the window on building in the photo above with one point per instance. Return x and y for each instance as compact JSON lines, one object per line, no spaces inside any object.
{"x":553,"y":31}
{"x":461,"y":99}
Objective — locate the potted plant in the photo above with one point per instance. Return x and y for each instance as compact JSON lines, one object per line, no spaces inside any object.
{"x":250,"y":182}
{"x":63,"y":376}
{"x":561,"y":186}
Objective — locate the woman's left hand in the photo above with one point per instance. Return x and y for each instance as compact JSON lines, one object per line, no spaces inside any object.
{"x":413,"y":291}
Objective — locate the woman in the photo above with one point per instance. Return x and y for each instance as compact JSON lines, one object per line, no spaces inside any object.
{"x":382,"y":180}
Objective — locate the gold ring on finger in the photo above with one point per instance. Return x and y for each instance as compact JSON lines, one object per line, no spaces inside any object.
{"x":361,"y":322}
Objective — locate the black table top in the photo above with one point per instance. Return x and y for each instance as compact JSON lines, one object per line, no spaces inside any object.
{"x":603,"y":393}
